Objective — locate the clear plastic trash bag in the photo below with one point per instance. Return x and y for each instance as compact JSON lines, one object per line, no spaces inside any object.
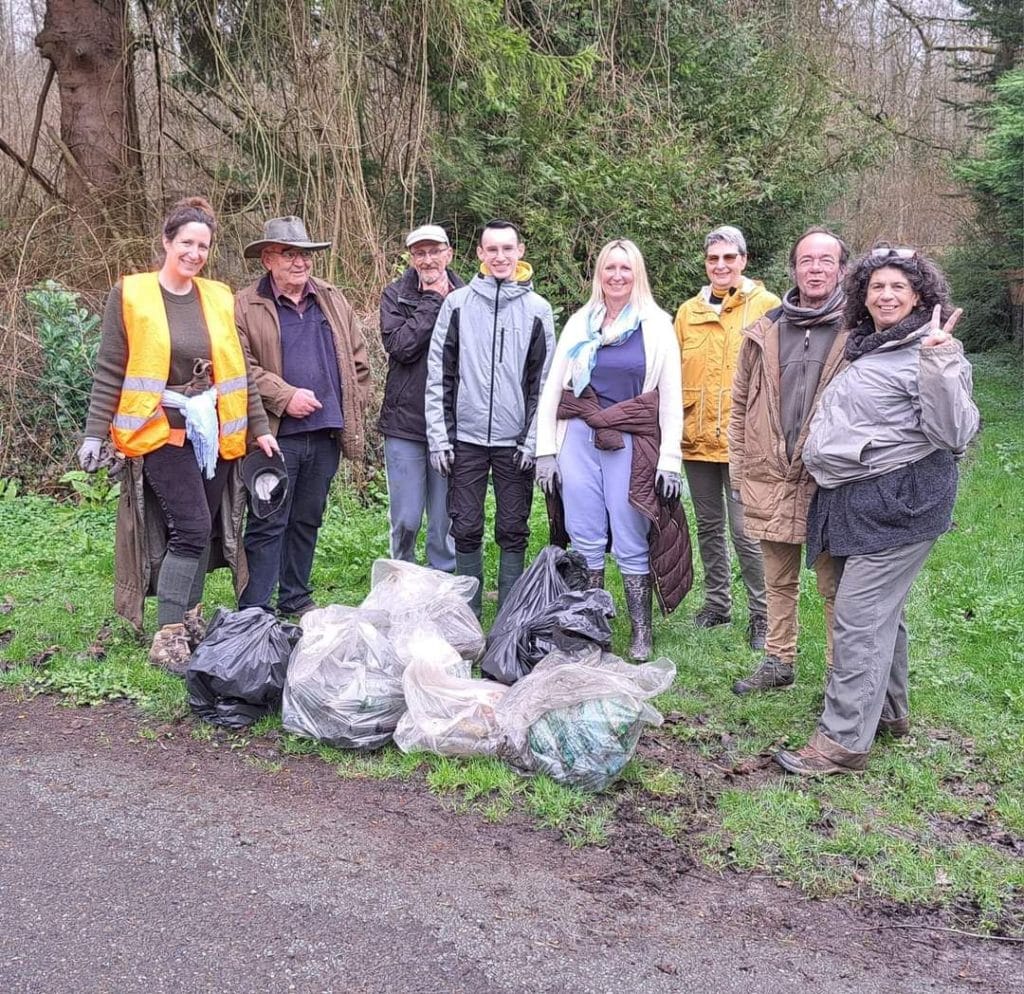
{"x":578,"y":717}
{"x":448,"y":712}
{"x":413,"y":595}
{"x":344,"y":683}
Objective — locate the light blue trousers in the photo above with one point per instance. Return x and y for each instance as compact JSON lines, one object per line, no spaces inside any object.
{"x":414,"y":486}
{"x":595,"y":494}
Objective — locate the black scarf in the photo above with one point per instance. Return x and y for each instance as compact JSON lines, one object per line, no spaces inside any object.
{"x":864,"y":339}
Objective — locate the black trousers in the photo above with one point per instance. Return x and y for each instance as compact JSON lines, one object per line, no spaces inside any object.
{"x":190,"y":502}
{"x":467,"y":491}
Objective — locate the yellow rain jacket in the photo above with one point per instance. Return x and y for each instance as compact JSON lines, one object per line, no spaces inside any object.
{"x":709,"y":343}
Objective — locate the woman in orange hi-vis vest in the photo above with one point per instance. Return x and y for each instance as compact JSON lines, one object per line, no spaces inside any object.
{"x":171,"y":387}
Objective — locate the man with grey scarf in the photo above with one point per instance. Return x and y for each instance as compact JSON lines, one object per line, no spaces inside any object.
{"x":787,"y":359}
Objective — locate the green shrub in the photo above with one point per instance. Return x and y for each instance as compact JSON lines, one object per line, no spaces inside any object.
{"x":69,"y":339}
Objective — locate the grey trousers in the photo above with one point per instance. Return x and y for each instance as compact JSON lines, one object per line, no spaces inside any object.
{"x":712,"y":496}
{"x":869,"y":674}
{"x":414,"y":486}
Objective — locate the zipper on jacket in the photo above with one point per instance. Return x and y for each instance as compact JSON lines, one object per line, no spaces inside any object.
{"x":494,"y":344}
{"x":501,"y":347}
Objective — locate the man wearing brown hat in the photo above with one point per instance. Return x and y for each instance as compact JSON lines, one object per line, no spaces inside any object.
{"x":308,"y":357}
{"x":408,"y":310}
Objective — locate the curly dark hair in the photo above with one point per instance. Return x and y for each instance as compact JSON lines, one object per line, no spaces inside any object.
{"x":924,"y":276}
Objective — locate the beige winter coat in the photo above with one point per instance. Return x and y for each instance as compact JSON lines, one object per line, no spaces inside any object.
{"x":775,"y":491}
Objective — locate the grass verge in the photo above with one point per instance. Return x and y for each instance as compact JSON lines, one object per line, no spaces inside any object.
{"x":936,"y":822}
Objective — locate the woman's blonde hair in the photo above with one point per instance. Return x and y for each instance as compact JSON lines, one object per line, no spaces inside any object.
{"x":642,"y":299}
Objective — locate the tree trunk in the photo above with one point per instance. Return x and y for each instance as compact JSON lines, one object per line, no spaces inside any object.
{"x":87,"y":43}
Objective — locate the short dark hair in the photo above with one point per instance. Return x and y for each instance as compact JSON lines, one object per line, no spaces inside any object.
{"x":191,"y":210}
{"x":925,"y":278}
{"x":498,"y":224}
{"x":817,"y":229}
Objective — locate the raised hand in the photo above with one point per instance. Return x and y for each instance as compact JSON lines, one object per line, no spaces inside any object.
{"x":939,"y":335}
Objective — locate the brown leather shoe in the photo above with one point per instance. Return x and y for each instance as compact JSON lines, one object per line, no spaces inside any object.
{"x":808,"y":762}
{"x":170,"y":649}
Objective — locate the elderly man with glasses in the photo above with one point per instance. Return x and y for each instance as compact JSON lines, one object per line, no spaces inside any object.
{"x":307,"y":353}
{"x":408,"y":310}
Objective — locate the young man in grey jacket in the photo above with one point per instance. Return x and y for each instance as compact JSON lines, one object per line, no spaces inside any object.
{"x":489,"y":356}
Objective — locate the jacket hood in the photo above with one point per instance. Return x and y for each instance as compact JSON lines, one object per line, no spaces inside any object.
{"x":521,"y":283}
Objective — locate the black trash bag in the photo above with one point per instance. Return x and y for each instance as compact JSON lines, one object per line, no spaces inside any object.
{"x":237,"y":673}
{"x":573,"y":621}
{"x":554,"y":572}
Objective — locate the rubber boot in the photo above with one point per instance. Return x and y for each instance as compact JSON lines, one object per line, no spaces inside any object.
{"x":595,"y":579}
{"x":638,"y":602}
{"x":510,"y":569}
{"x":472,"y":564}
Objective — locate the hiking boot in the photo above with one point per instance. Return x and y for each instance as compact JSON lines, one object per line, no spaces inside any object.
{"x":894,"y":728}
{"x":595,"y":579}
{"x":808,"y":762}
{"x":757,"y":632}
{"x":708,"y":617}
{"x":638,"y":602}
{"x":195,"y":626}
{"x":772,"y":674}
{"x":170,"y":649}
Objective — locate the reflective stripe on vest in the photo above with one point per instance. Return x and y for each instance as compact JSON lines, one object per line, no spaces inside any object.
{"x":140,"y":425}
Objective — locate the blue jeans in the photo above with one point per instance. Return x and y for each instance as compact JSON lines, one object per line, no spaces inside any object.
{"x":279,"y":549}
{"x":414,"y":486}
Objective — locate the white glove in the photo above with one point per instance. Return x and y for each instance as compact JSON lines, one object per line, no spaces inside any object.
{"x":443,"y":461}
{"x":548,"y":477}
{"x":667,"y":484}
{"x":523,"y":459}
{"x":89,"y":454}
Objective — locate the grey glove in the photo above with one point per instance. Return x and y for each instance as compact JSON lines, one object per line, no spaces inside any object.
{"x":667,"y":484}
{"x":523,"y":459}
{"x":442,"y":461}
{"x":548,"y":478}
{"x":89,"y":455}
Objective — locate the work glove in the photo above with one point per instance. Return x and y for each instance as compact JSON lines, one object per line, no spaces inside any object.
{"x":523,"y":459}
{"x":548,"y":477}
{"x":667,"y":484}
{"x":89,"y":457}
{"x":442,"y":461}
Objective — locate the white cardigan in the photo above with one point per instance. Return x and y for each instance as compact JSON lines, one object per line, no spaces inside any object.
{"x":661,"y":351}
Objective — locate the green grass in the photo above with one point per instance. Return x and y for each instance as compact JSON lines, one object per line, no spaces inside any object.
{"x":932,"y":822}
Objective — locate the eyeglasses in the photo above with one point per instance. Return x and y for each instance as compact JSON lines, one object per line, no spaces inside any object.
{"x":421,"y":255}
{"x":884,"y":251}
{"x":292,"y":254}
{"x":727,"y":257}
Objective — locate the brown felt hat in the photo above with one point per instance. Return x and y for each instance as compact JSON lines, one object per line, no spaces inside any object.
{"x":284,"y":231}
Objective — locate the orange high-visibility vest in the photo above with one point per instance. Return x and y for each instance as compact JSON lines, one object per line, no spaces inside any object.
{"x":140,"y":425}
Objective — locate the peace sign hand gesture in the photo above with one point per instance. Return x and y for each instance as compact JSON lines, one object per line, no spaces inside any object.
{"x":940,"y":335}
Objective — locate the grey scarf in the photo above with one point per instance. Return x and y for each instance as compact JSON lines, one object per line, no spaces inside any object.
{"x":803,"y":317}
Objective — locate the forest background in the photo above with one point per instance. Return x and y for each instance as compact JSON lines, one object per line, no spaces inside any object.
{"x":582,"y":120}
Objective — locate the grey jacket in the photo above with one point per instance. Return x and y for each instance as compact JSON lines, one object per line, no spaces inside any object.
{"x":489,"y":357}
{"x":890,"y":408}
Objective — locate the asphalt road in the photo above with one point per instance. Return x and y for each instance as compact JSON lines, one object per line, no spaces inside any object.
{"x":171,"y":866}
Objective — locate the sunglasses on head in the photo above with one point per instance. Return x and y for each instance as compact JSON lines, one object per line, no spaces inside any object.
{"x":885,"y":251}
